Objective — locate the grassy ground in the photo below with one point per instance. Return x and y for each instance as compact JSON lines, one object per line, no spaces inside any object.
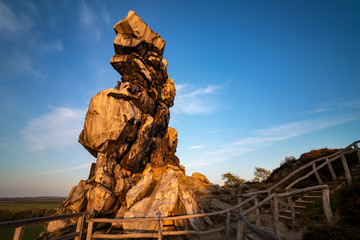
{"x":25,"y":206}
{"x":22,"y":209}
{"x":31,"y":232}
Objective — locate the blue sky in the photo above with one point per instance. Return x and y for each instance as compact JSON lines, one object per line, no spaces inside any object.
{"x":256,"y":81}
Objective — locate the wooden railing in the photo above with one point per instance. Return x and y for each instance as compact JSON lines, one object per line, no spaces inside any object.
{"x":244,"y":222}
{"x":160,"y":220}
{"x":327,"y":162}
{"x":241,"y":224}
{"x":272,"y":199}
{"x":20,"y":225}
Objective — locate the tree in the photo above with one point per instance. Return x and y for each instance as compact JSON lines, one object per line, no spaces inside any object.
{"x":261,"y":174}
{"x":232,"y":179}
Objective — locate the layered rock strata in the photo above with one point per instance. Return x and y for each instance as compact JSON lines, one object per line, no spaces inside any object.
{"x":136,"y":173}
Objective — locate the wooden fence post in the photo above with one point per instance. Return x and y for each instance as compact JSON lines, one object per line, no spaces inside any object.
{"x":317,"y":174}
{"x":79,"y":226}
{"x":346,"y":168}
{"x":89,"y":231}
{"x":257,"y":212}
{"x":240,"y":201}
{"x":19,"y":233}
{"x":240,"y":229}
{"x":160,"y":223}
{"x":326,"y":204}
{"x":228,"y":218}
{"x":332,"y":172}
{"x":292,"y":209}
{"x":275,"y":210}
{"x":357,"y":151}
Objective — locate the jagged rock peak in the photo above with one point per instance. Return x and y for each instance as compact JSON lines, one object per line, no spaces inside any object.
{"x":136,"y":173}
{"x":138,"y":48}
{"x":132,"y":31}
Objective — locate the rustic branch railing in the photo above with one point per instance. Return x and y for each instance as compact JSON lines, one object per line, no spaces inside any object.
{"x":20,"y":225}
{"x":160,"y":233}
{"x":327,"y":162}
{"x":264,"y":234}
{"x":272,"y":198}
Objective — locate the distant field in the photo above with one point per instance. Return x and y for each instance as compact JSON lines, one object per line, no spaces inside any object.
{"x":31,"y":232}
{"x":25,"y":206}
{"x":21,"y":208}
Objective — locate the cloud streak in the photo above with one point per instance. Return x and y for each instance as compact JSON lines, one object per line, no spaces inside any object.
{"x":56,"y":129}
{"x":353,"y":104}
{"x":82,"y":166}
{"x":195,"y":147}
{"x":265,"y":137}
{"x":11,"y":25}
{"x":90,"y":18}
{"x":195,"y":101}
{"x":51,"y":47}
{"x":23,"y":63}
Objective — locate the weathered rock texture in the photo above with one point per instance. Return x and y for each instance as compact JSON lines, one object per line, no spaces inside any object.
{"x":136,"y":173}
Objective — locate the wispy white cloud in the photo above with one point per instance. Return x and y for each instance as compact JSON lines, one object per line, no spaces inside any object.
{"x":265,"y":137}
{"x":195,"y":147}
{"x":353,"y":104}
{"x":85,"y":165}
{"x":204,"y":162}
{"x":195,"y":101}
{"x":90,"y":18}
{"x":12,"y":25}
{"x":214,"y":131}
{"x":105,"y":15}
{"x":56,"y":129}
{"x":85,"y":14}
{"x":23,"y":63}
{"x":317,"y":110}
{"x":51,"y":47}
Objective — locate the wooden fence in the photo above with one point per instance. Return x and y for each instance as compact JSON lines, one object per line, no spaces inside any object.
{"x":242,"y":222}
{"x":324,"y":162}
{"x":20,"y":225}
{"x":160,"y":220}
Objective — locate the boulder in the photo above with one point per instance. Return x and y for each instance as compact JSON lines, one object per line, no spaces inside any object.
{"x":76,"y":200}
{"x":110,"y":121}
{"x":55,"y":225}
{"x":140,"y":190}
{"x":200,"y":177}
{"x":101,"y":200}
{"x":162,"y":201}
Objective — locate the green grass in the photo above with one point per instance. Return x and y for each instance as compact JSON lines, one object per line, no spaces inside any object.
{"x":31,"y":232}
{"x":25,"y":206}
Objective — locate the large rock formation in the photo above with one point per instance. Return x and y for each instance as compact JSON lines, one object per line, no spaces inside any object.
{"x":136,"y":173}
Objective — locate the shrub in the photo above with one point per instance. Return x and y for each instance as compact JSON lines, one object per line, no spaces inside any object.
{"x":261,"y":174}
{"x":232,"y":180}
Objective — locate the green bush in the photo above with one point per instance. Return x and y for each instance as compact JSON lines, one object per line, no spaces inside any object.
{"x":232,"y":180}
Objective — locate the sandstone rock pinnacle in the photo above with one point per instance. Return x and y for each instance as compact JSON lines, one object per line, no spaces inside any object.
{"x":136,"y":173}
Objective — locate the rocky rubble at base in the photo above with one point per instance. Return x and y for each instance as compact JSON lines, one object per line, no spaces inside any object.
{"x":137,"y":173}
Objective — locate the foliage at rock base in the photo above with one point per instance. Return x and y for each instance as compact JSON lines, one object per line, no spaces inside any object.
{"x":232,"y":180}
{"x":346,"y":208}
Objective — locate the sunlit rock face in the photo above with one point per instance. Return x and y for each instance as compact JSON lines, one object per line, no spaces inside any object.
{"x":136,"y":173}
{"x":130,"y":122}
